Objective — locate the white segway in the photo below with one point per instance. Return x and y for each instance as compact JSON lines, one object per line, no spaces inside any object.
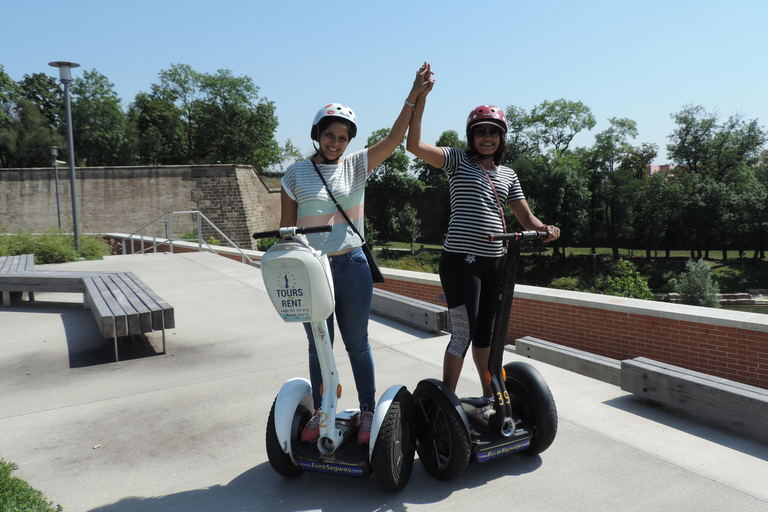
{"x":299,"y":283}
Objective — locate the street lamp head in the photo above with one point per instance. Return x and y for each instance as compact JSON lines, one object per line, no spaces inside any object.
{"x":54,"y":151}
{"x":64,"y":68}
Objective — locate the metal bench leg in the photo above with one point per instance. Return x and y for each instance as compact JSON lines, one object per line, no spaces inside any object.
{"x":163,"y":332}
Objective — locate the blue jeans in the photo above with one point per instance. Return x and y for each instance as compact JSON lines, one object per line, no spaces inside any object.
{"x":354,"y":290}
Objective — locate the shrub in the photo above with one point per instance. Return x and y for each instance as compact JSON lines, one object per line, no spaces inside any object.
{"x":566,"y":283}
{"x":624,"y":281}
{"x":263,"y":244}
{"x":53,"y":247}
{"x":696,"y":285}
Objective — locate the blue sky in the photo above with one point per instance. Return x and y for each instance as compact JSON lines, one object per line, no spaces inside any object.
{"x":639,"y":60}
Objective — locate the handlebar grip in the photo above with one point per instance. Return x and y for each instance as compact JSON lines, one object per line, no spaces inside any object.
{"x":520,"y":235}
{"x":266,"y":234}
{"x":290,"y":231}
{"x":315,"y":229}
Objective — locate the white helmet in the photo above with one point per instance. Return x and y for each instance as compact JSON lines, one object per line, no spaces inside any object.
{"x":343,"y":112}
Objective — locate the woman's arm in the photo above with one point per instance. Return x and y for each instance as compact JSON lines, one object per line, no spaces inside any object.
{"x":529,"y":221}
{"x":386,"y":146}
{"x":289,"y":210}
{"x":433,"y":155}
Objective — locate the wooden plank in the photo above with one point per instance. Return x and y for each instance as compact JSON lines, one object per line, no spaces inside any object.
{"x":733,"y":405}
{"x":132,"y":316}
{"x":578,"y":361}
{"x":40,"y":281}
{"x":156,"y":311}
{"x":145,"y":315}
{"x":99,"y":308}
{"x":168,"y":316}
{"x":121,"y":322}
{"x":418,"y":313}
{"x":28,"y":262}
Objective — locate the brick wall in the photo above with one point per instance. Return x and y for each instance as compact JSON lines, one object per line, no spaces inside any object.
{"x":725,"y":344}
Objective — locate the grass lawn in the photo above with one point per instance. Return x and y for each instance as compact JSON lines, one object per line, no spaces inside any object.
{"x":18,"y":496}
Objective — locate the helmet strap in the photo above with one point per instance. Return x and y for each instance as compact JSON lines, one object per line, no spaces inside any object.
{"x":325,"y":159}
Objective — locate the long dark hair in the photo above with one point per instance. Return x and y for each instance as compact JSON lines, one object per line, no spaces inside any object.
{"x":498,"y":157}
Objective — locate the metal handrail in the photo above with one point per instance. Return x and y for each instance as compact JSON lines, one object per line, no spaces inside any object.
{"x":168,"y":225}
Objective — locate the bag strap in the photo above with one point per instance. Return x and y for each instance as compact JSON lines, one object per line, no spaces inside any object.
{"x":343,"y":213}
{"x":498,"y":201}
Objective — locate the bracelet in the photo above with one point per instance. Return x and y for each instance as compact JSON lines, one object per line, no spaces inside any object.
{"x":408,"y":103}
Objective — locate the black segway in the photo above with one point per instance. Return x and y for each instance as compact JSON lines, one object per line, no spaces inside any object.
{"x":451,"y":433}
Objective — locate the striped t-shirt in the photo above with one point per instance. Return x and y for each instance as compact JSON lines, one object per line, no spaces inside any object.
{"x":347,"y":183}
{"x":474,"y":210}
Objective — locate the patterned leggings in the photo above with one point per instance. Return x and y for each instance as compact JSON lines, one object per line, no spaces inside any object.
{"x":471,"y":285}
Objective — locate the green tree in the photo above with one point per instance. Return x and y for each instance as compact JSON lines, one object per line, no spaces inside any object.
{"x":47,"y":93}
{"x":233,"y":124}
{"x":99,"y":124}
{"x":408,"y":225}
{"x":624,"y":281}
{"x":612,"y":144}
{"x":26,"y":137}
{"x":192,"y":117}
{"x":696,"y":285}
{"x":389,"y":184}
{"x":555,"y":124}
{"x":690,"y":139}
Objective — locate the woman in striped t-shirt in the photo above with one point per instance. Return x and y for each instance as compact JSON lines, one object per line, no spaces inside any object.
{"x":306,"y":202}
{"x":471,"y":265}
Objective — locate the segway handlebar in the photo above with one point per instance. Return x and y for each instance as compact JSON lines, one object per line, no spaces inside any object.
{"x":521,"y":235}
{"x":292,"y":231}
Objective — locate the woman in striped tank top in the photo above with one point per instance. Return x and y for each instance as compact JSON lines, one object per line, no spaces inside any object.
{"x":305,"y":202}
{"x":471,"y":265}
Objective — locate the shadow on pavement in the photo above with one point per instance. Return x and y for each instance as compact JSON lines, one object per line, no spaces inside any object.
{"x":261,"y":489}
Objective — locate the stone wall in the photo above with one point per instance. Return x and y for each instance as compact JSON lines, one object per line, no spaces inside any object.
{"x":125,"y":199}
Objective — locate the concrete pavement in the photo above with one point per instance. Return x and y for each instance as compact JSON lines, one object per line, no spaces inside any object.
{"x":184,"y":431}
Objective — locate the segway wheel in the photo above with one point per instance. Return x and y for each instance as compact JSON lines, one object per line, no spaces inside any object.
{"x":443,"y":441}
{"x":278,"y":459}
{"x":533,"y":402}
{"x":392,"y":457}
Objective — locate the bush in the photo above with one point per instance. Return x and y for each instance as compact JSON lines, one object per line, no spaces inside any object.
{"x":263,"y":244}
{"x":53,"y":247}
{"x":566,"y":283}
{"x":624,"y":281}
{"x":696,"y":285}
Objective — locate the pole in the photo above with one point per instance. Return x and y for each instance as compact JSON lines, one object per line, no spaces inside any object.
{"x":71,"y":151}
{"x":55,"y":153}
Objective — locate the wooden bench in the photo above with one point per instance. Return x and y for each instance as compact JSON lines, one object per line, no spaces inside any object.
{"x":11,"y":264}
{"x":572,"y":359}
{"x":417,"y":313}
{"x":732,"y":405}
{"x":120,"y":302}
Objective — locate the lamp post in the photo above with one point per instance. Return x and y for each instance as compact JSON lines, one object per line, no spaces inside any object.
{"x":54,"y":154}
{"x":66,"y":78}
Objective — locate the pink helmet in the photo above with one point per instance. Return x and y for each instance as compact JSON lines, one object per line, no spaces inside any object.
{"x":487,"y":114}
{"x":342,"y":112}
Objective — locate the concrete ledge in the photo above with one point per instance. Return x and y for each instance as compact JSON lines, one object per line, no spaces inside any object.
{"x":591,"y":365}
{"x":414,"y":312}
{"x":732,"y":405}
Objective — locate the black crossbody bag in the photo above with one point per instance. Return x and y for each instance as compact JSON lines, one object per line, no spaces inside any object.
{"x":375,"y":271}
